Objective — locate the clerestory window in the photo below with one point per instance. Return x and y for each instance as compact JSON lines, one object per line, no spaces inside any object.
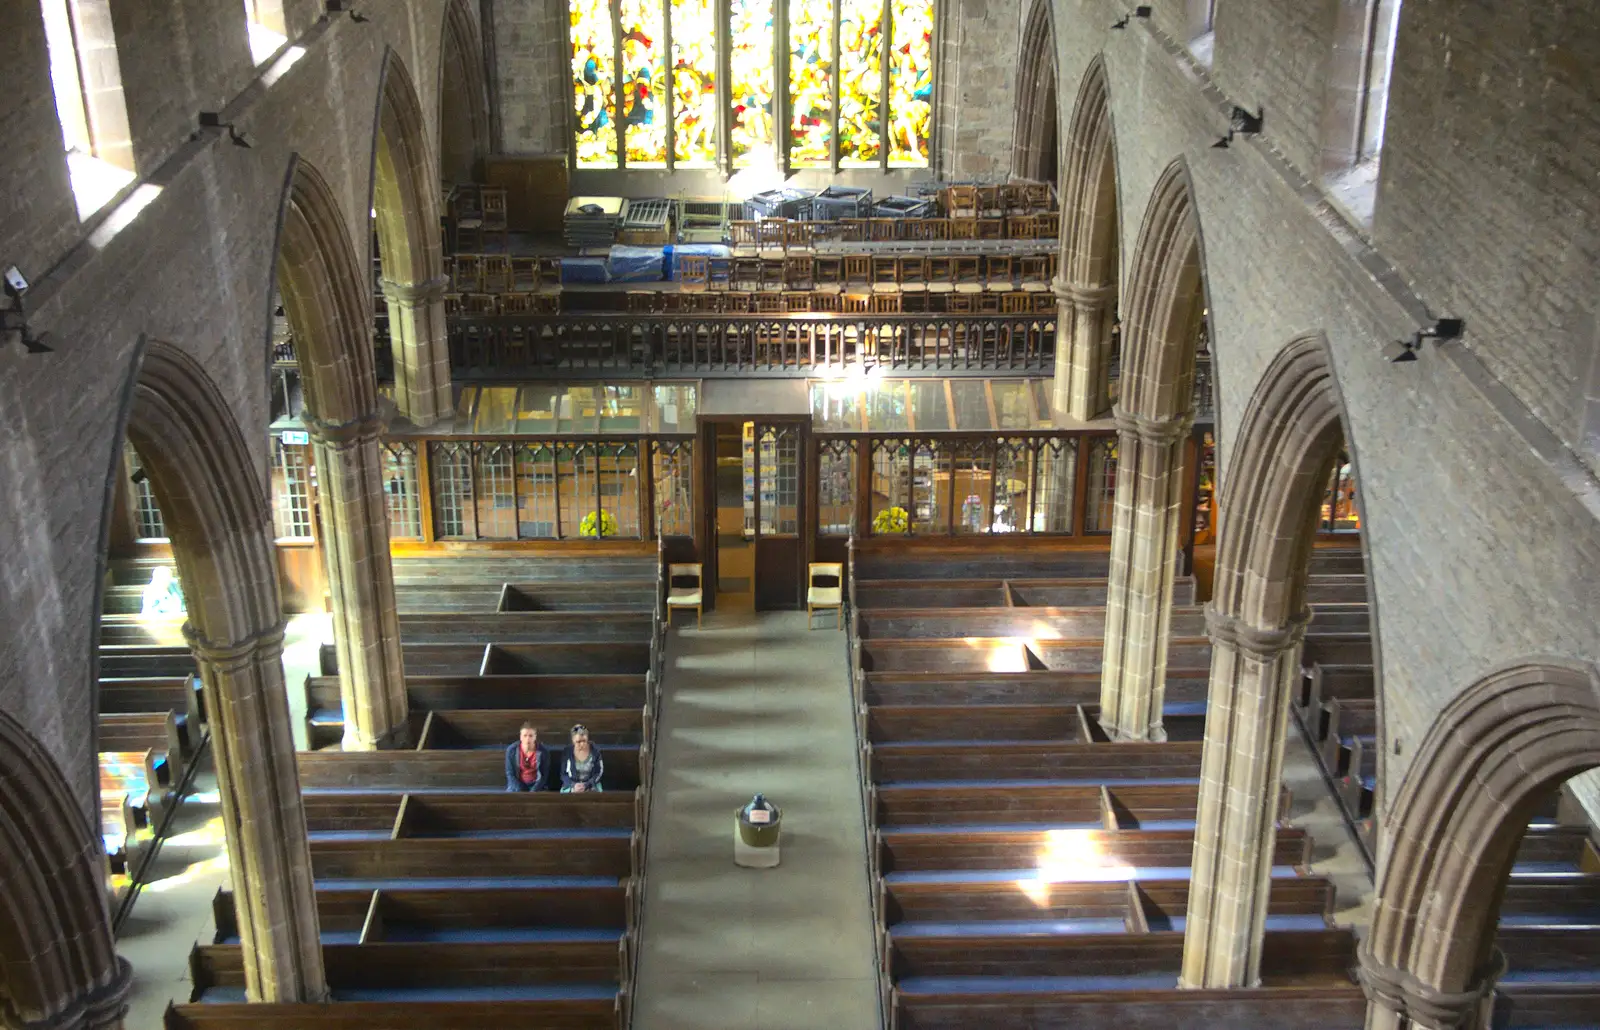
{"x":752,"y":83}
{"x":87,"y":81}
{"x":264,"y":23}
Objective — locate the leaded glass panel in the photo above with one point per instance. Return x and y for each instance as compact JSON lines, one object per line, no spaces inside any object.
{"x":836,"y":487}
{"x":1013,"y":475}
{"x":860,"y":81}
{"x":973,"y":480}
{"x":752,"y":81}
{"x":400,"y":491}
{"x":619,"y":487}
{"x":291,"y":490}
{"x":578,"y":492}
{"x":1055,"y":480}
{"x":148,"y":523}
{"x":594,"y":95}
{"x":910,"y":83}
{"x":496,"y":491}
{"x":644,"y":77}
{"x":780,"y":480}
{"x":694,"y":83}
{"x":810,"y":84}
{"x":1098,"y":513}
{"x":674,"y":487}
{"x":450,"y":469}
{"x":536,"y":491}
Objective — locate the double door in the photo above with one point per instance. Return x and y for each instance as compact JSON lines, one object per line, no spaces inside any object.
{"x":756,"y":511}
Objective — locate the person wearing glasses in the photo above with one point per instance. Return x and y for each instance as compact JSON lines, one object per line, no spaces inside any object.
{"x":581,"y":766}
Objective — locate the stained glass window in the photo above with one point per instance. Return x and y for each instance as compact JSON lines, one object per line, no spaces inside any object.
{"x":910,"y":83}
{"x":751,"y":89}
{"x":810,"y":84}
{"x":594,"y":98}
{"x":649,"y":87}
{"x":644,"y":77}
{"x":694,"y":82}
{"x":860,"y":81}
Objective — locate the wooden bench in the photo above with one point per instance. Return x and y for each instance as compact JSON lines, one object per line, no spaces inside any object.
{"x":1282,"y":1008}
{"x":619,"y":595}
{"x":1083,"y":854}
{"x":157,"y":733}
{"x":981,"y":687}
{"x":1337,"y":561}
{"x":914,"y":558}
{"x":547,"y":1014}
{"x":477,"y":659}
{"x":139,"y":630}
{"x":438,"y":771}
{"x":144,"y":661}
{"x":1322,"y":683}
{"x":576,"y":562}
{"x":373,"y":863}
{"x":984,"y":593}
{"x":1042,"y":624}
{"x":531,"y":627}
{"x":527,"y":695}
{"x":1546,"y":1005}
{"x":397,"y":816}
{"x":1336,"y":589}
{"x":1347,"y":725}
{"x":453,"y":730}
{"x":1005,"y":654}
{"x":467,"y":598}
{"x":1048,"y":763}
{"x":1126,"y":806}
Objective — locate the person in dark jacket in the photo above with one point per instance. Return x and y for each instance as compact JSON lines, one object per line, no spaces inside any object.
{"x":581,"y":766}
{"x":526,"y":767}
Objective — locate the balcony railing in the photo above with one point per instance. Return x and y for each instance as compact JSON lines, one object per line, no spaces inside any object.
{"x":526,"y":346}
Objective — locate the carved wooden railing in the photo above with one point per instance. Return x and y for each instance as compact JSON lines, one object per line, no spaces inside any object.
{"x":520,"y":346}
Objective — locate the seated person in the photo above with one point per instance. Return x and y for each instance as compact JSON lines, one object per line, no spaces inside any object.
{"x":163,"y":595}
{"x":525,"y":764}
{"x":581,"y":766}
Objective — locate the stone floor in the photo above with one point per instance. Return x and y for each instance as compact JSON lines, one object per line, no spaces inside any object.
{"x":173,"y":909}
{"x":754,"y":702}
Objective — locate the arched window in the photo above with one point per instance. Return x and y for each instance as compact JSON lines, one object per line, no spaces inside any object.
{"x":87,"y":81}
{"x":1202,"y":17}
{"x":1357,"y":103}
{"x":752,"y":83}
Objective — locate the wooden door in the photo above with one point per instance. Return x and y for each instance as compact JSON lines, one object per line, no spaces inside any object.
{"x":779,"y":508}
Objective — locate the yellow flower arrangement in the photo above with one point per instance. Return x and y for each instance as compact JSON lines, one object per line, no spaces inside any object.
{"x":892,"y":519}
{"x":598,"y":523}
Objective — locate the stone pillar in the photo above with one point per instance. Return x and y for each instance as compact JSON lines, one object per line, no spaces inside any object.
{"x":101,"y":1006}
{"x":1396,"y":1000}
{"x":253,"y":747}
{"x":421,"y":343}
{"x":1241,"y":773}
{"x":1083,"y":350}
{"x":1144,"y":557}
{"x":355,"y":540}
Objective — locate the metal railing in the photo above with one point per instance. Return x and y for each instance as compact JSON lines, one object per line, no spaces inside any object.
{"x":522,"y":346}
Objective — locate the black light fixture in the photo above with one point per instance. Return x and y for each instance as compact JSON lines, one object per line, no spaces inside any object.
{"x":346,"y":7}
{"x":213,"y":120}
{"x":1406,"y":350}
{"x":1142,"y":11}
{"x":1240,"y":123}
{"x":138,"y":476}
{"x":18,"y":337}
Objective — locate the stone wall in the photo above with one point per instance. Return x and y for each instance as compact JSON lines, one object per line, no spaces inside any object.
{"x":1482,"y":549}
{"x":977,"y":69}
{"x":534,"y":68}
{"x":194,"y":269}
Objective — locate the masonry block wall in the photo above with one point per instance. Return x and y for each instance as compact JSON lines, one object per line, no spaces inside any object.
{"x":977,"y":75}
{"x":534,"y":63}
{"x":1480,"y":550}
{"x":195,"y":269}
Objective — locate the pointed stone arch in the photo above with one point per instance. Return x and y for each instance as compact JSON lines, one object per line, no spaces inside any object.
{"x":1163,"y":304}
{"x":405,"y":199}
{"x":329,"y":308}
{"x":1034,"y":152}
{"x":1087,"y":286}
{"x":1453,"y":833}
{"x":220,"y":526}
{"x":464,"y":120}
{"x":60,"y":964}
{"x":1291,"y":432}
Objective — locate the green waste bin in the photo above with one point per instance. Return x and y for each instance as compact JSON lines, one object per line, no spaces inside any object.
{"x":755,"y":834}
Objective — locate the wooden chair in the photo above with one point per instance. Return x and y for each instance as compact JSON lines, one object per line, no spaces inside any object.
{"x":825,"y":300}
{"x":991,"y":228}
{"x":736,"y":302}
{"x":773,"y":271}
{"x":824,"y":598}
{"x":797,"y":274}
{"x":1047,"y":225}
{"x":525,"y":273}
{"x":1001,"y":277}
{"x":641,"y":302}
{"x":857,"y":270}
{"x":547,"y":303}
{"x":1016,"y":304}
{"x":913,"y":275}
{"x":742,"y":234}
{"x":694,"y":272}
{"x":1022,"y":227}
{"x":517,"y":303}
{"x":771,"y":233}
{"x":495,"y":220}
{"x":685,"y":596}
{"x":960,"y":201}
{"x":769,"y":303}
{"x":963,"y":228}
{"x":827,"y":273}
{"x":480,"y":303}
{"x":549,"y":272}
{"x":855,"y":303}
{"x":886,"y":274}
{"x":1044,"y":303}
{"x":1035,"y":273}
{"x":854,"y":230}
{"x":968,"y":278}
{"x":721,"y":273}
{"x":941,"y":274}
{"x":468,"y":273}
{"x":796,"y":300}
{"x":883,"y":230}
{"x":746,"y":273}
{"x":497,"y":276}
{"x":886,"y":303}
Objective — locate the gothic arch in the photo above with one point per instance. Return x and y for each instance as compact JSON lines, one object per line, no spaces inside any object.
{"x":1165,"y":297}
{"x":327,"y":300}
{"x":1034,"y":153}
{"x":59,"y":961}
{"x":405,"y":185}
{"x":1454,"y":830}
{"x":1089,"y":209}
{"x":464,"y":127}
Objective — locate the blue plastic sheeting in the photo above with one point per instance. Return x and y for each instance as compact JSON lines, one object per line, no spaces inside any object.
{"x":1011,"y":928}
{"x":580,"y":270}
{"x":465,"y":882}
{"x":1035,"y":984}
{"x":637,"y":264}
{"x":673,"y":250}
{"x":507,"y":992}
{"x":1184,"y":708}
{"x":499,"y":934}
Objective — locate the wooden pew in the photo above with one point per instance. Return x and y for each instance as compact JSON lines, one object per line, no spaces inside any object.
{"x":1337,"y":561}
{"x":1089,"y":763}
{"x":1128,"y":806}
{"x":1323,"y":683}
{"x":437,"y":771}
{"x":1548,"y":955}
{"x":455,"y":730}
{"x":442,"y":815}
{"x":913,"y":558}
{"x":1552,"y":900}
{"x":1092,"y":853}
{"x":137,"y":630}
{"x":1282,"y":1008}
{"x":374,"y":862}
{"x":143,"y":661}
{"x":1346,"y":724}
{"x":130,"y":696}
{"x":1004,"y":654}
{"x":608,"y":561}
{"x":527,"y":627}
{"x":873,"y":594}
{"x":1045,"y":625}
{"x":1336,"y":589}
{"x":619,"y":595}
{"x":479,"y":659}
{"x":527,"y":694}
{"x":154,"y":732}
{"x":906,"y":724}
{"x":1547,"y":1006}
{"x":981,"y":687}
{"x":547,"y":1014}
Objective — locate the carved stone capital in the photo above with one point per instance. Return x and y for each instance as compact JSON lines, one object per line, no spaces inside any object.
{"x":415,"y":295}
{"x":344,"y":435}
{"x":1157,"y":432}
{"x":1423,"y":1004}
{"x":1265,"y":644}
{"x":1084,"y":297}
{"x":264,"y":646}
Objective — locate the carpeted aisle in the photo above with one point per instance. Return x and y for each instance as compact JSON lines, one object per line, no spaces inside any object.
{"x":755,"y":702}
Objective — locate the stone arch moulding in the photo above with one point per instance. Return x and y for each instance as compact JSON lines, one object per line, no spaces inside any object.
{"x":61,"y":966}
{"x":1036,"y":122}
{"x":1454,"y":830}
{"x":461,"y":39}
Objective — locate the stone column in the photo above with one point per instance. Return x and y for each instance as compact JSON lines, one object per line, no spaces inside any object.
{"x":355,"y":540}
{"x":421,"y":343}
{"x":101,"y":1006}
{"x":1241,"y":772}
{"x":1144,"y":557}
{"x":1396,"y":1000}
{"x":1083,"y":349}
{"x":253,"y":747}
